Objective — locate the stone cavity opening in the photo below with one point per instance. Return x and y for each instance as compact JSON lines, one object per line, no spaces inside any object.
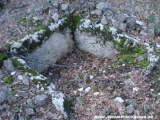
{"x":80,"y":70}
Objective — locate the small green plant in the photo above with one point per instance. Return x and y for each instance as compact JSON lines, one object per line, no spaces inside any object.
{"x":127,"y":57}
{"x":19,"y":109}
{"x":68,"y":104}
{"x":95,"y":89}
{"x":39,"y":27}
{"x":3,"y":57}
{"x":144,"y":64}
{"x":8,"y":79}
{"x":140,"y":50}
{"x":81,"y":76}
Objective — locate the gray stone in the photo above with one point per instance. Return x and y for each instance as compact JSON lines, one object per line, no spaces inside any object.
{"x":53,"y":49}
{"x":130,"y":109}
{"x":3,"y":88}
{"x":30,"y":111}
{"x":4,"y":106}
{"x":41,"y":100}
{"x":108,"y":13}
{"x":64,"y":7}
{"x":25,"y":80}
{"x":8,"y":65}
{"x":121,"y":17}
{"x":52,"y":116}
{"x":143,"y":32}
{"x":55,"y":17}
{"x":151,"y":33}
{"x":140,"y":58}
{"x":25,"y":94}
{"x":3,"y":96}
{"x":37,"y":119}
{"x":131,"y":23}
{"x":30,"y":103}
{"x":115,"y":23}
{"x":88,"y":43}
{"x":22,"y":118}
{"x":96,"y":12}
{"x":151,"y":26}
{"x":104,"y":20}
{"x":103,"y":5}
{"x":122,"y":26}
{"x":1,"y":75}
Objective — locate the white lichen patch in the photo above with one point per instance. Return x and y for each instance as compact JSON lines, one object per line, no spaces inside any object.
{"x":85,"y":24}
{"x":17,"y":45}
{"x":158,"y":46}
{"x":113,"y":30}
{"x":153,"y":58}
{"x":101,"y":26}
{"x":29,"y":38}
{"x":56,"y":25}
{"x":38,"y":77}
{"x":57,"y":99}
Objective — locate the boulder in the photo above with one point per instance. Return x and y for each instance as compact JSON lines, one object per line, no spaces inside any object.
{"x":58,"y":45}
{"x":88,"y":43}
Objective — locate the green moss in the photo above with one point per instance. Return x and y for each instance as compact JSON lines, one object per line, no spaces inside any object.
{"x":26,"y":20}
{"x":3,"y":57}
{"x":81,"y":76}
{"x":140,"y":50}
{"x":39,"y":27}
{"x":119,"y":62}
{"x":156,"y":84}
{"x":95,"y":89}
{"x":144,"y":64}
{"x":68,"y":104}
{"x":20,"y":66}
{"x":8,"y":79}
{"x":121,"y":42}
{"x":127,"y":57}
{"x":72,"y":22}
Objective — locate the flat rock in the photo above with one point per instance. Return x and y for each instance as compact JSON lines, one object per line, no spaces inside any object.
{"x":30,"y":111}
{"x":8,"y":65}
{"x":130,"y":109}
{"x":122,"y":26}
{"x":103,"y":5}
{"x":3,"y":96}
{"x":30,"y":103}
{"x":131,"y":23}
{"x":121,"y":17}
{"x":41,"y":100}
{"x":96,"y":12}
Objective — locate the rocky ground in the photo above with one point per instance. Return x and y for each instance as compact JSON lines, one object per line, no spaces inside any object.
{"x":93,"y":86}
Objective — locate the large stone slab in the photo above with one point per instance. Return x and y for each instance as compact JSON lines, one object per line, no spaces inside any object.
{"x":58,"y":45}
{"x":89,"y":43}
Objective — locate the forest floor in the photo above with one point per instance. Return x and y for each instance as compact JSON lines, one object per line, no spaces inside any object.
{"x":98,"y":87}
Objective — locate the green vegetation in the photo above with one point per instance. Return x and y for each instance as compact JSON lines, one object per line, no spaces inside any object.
{"x":68,"y":104}
{"x":72,"y":22}
{"x":8,"y":79}
{"x":40,"y":27}
{"x":3,"y":57}
{"x":95,"y":89}
{"x":26,"y":20}
{"x":129,"y":53}
{"x":20,"y":66}
{"x":144,"y":64}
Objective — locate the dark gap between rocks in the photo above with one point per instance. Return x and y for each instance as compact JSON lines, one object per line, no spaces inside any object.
{"x":80,"y":66}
